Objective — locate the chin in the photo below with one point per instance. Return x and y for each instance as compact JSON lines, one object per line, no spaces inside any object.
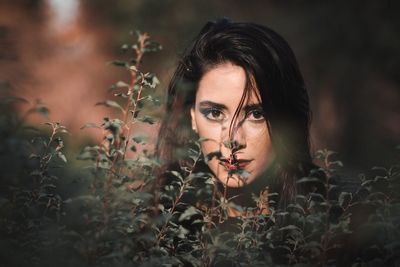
{"x":235,"y":181}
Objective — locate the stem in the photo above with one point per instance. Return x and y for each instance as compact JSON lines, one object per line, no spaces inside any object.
{"x":164,"y":227}
{"x":133,"y":120}
{"x":128,"y":106}
{"x":139,"y":55}
{"x":46,"y":157}
{"x":176,"y":201}
{"x":215,"y":186}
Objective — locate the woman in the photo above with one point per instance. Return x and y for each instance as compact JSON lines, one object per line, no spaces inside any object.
{"x":238,"y":87}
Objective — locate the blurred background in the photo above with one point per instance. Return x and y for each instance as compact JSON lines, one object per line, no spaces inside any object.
{"x":57,"y":51}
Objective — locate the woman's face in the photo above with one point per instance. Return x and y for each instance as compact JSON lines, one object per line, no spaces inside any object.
{"x":217,"y":98}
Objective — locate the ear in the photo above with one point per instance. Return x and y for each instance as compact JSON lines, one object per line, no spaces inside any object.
{"x":192,"y":115}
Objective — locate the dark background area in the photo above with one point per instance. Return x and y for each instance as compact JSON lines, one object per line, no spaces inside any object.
{"x":348,"y":52}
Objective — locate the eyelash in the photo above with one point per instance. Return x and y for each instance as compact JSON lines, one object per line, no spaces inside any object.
{"x":209,"y":111}
{"x":252,"y":112}
{"x":208,"y":114}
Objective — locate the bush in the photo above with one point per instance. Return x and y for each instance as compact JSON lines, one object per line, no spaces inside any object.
{"x":121,"y":215}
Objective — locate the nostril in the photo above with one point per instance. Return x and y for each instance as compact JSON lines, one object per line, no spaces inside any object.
{"x":234,"y":145}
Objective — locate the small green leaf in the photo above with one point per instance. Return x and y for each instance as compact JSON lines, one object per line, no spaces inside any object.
{"x":110,"y":103}
{"x":151,"y":80}
{"x":290,"y":227}
{"x":62,"y":157}
{"x":90,"y":125}
{"x":177,"y":175}
{"x":155,"y":81}
{"x":119,"y":84}
{"x":34,"y":156}
{"x":146,"y":119}
{"x":62,"y":130}
{"x":123,"y":95}
{"x":308,"y":180}
{"x":210,"y":156}
{"x":139,"y":139}
{"x":230,"y":144}
{"x":155,"y":101}
{"x":119,"y":63}
{"x":377,"y":168}
{"x":336,"y":163}
{"x":182,"y":232}
{"x":188,"y":213}
{"x":243,"y":174}
{"x":42,"y":110}
{"x":124,"y":48}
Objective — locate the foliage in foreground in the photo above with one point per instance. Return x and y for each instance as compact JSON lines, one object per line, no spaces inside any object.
{"x":118,"y":214}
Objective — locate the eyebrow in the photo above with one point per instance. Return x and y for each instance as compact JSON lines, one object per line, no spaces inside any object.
{"x":246,"y":108}
{"x":251,"y":107}
{"x":212,"y":104}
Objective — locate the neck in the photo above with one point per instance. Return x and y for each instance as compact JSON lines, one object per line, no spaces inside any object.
{"x":244,"y":196}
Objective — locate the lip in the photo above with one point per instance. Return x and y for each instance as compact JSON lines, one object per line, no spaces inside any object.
{"x":238,"y":164}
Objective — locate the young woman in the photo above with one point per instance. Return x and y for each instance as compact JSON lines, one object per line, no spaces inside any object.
{"x":238,"y":87}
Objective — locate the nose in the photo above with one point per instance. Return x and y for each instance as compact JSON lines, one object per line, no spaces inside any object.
{"x":235,"y":137}
{"x":238,"y":135}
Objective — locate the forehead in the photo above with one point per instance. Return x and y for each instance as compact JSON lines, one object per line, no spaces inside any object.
{"x":225,"y":84}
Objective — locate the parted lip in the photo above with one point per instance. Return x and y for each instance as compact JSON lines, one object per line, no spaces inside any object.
{"x":236,"y":164}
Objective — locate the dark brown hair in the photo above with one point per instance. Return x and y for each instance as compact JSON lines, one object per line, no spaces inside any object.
{"x":269,"y":62}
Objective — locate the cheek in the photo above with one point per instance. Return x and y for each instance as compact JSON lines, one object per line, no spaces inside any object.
{"x":265,"y":156}
{"x":256,"y":130}
{"x":260,"y":146}
{"x":210,"y":145}
{"x":211,"y":131}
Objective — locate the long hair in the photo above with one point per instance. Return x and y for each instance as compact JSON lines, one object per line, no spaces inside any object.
{"x":268,"y":62}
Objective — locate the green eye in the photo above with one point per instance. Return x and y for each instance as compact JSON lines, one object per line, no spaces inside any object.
{"x":256,"y":115}
{"x":213,"y":114}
